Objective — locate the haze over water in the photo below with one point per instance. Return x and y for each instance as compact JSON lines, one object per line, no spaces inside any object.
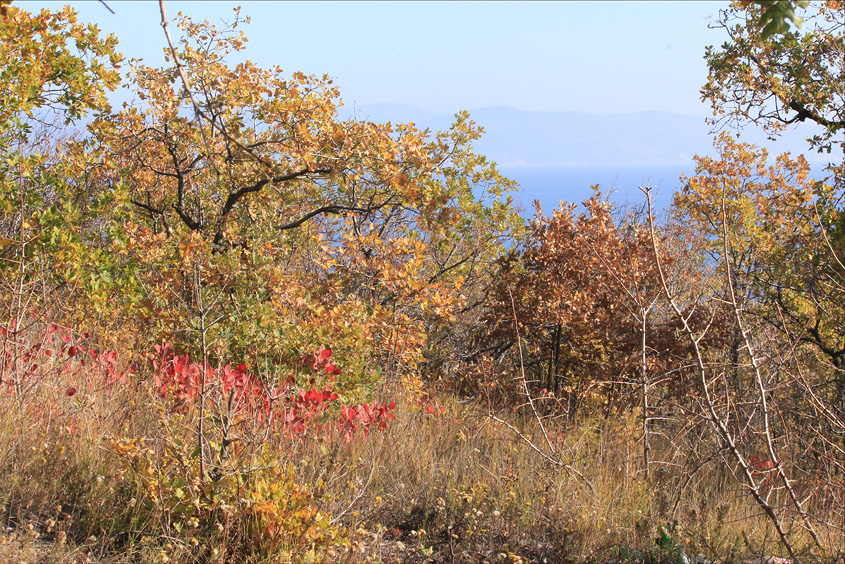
{"x":573,"y":184}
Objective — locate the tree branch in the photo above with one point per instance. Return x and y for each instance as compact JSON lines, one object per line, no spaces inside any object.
{"x":333,"y":210}
{"x":147,"y":207}
{"x":179,"y":69}
{"x":236,"y":195}
{"x":188,"y":220}
{"x":444,"y":269}
{"x":804,"y":113}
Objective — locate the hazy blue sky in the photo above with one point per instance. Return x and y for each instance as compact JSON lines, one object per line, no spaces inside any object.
{"x":446,"y":56}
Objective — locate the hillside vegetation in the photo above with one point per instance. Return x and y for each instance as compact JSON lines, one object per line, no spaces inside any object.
{"x":236,"y":328}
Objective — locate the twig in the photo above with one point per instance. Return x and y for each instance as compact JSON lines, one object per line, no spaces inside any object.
{"x":718,"y":424}
{"x":179,"y":68}
{"x":337,"y":517}
{"x":107,"y":6}
{"x":524,"y":380}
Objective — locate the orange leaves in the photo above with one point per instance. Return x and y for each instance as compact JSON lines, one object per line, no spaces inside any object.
{"x":50,"y":59}
{"x":759,"y":204}
{"x":579,"y":292}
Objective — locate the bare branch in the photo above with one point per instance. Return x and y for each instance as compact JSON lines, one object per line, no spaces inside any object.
{"x":758,"y":376}
{"x":107,"y":6}
{"x":716,"y":422}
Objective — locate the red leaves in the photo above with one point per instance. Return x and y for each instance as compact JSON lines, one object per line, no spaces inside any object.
{"x":108,"y":361}
{"x":236,"y":378}
{"x":763,"y":470}
{"x":365,"y":416}
{"x":320,"y":360}
{"x":35,"y":350}
{"x":429,"y":405}
{"x":312,"y":398}
{"x":178,"y":377}
{"x":306,"y":405}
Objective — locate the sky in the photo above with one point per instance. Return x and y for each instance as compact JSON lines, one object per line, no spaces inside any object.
{"x":594,"y":57}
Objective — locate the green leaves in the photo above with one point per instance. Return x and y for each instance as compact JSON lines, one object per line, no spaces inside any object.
{"x":773,"y":77}
{"x":774,"y":15}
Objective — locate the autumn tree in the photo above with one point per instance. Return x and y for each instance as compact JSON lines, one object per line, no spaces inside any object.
{"x":56,"y":71}
{"x":267,"y":226}
{"x":773,"y":81}
{"x":780,"y":79}
{"x":583,"y":297}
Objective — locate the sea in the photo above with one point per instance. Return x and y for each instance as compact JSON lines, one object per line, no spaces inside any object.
{"x":554,"y":185}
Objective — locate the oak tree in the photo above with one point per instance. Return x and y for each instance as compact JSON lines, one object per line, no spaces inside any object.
{"x":271,"y":226}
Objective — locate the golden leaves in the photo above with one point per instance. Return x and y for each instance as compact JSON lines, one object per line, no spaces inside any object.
{"x":297,"y":227}
{"x":50,"y":59}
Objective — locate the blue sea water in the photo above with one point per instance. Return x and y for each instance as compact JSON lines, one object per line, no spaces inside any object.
{"x":572,"y":184}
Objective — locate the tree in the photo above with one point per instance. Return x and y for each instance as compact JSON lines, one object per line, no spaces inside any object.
{"x":582,"y":295}
{"x":774,"y":81}
{"x":774,"y":238}
{"x":780,"y":78}
{"x":249,"y":194}
{"x":56,"y":71}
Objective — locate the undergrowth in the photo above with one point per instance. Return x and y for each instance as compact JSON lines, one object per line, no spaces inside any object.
{"x":100,"y":460}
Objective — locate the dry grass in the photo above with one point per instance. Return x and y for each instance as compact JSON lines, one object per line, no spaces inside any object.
{"x":459,"y":485}
{"x":444,"y":483}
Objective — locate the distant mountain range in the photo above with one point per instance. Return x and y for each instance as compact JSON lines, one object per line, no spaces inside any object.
{"x":517,"y":138}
